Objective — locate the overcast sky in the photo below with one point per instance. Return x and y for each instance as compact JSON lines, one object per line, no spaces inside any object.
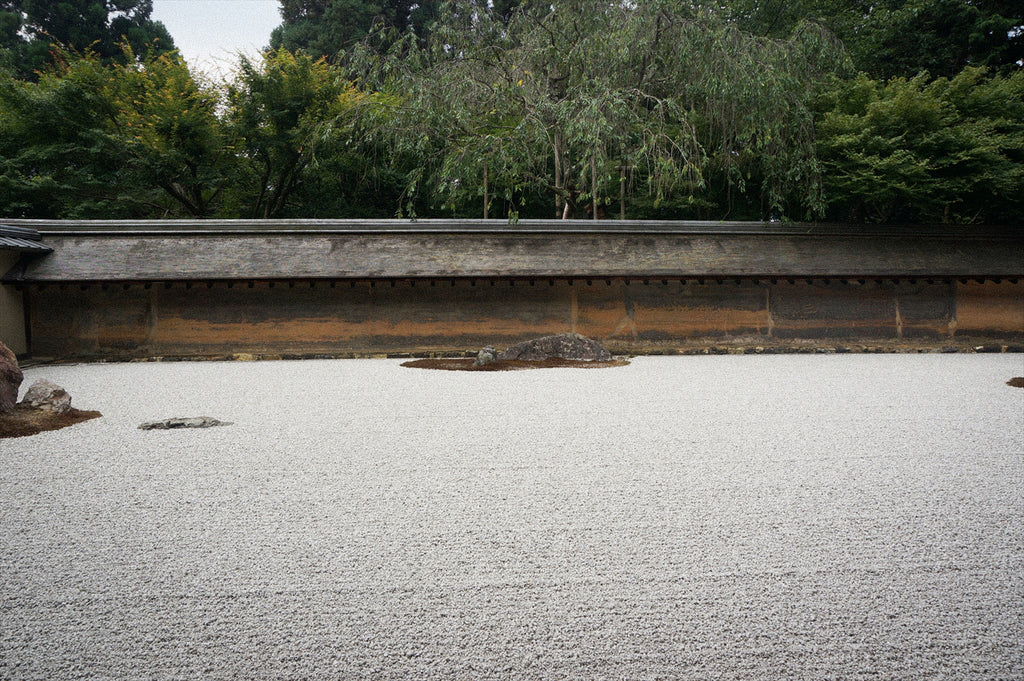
{"x":210,"y":32}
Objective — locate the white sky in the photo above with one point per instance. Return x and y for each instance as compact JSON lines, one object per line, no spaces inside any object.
{"x":209,"y":33}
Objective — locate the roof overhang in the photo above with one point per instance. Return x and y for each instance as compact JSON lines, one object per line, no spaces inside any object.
{"x":22,"y":240}
{"x":106,"y":251}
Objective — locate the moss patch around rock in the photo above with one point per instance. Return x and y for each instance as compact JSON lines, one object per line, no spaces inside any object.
{"x":25,"y":420}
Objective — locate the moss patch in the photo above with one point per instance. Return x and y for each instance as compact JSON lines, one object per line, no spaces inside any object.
{"x":24,"y":421}
{"x":510,"y":365}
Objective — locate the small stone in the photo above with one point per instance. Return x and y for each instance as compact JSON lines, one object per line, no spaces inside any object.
{"x":486,"y":355}
{"x":47,"y":396}
{"x":186,"y":422}
{"x":10,"y":379}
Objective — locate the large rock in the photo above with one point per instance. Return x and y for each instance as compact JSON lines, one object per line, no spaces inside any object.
{"x":10,"y":379}
{"x":564,"y":345}
{"x":47,"y":396}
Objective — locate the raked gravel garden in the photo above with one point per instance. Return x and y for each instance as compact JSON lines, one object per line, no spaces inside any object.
{"x":716,"y":517}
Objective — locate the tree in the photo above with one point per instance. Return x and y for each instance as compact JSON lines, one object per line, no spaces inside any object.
{"x":325,"y":28}
{"x":942,"y":37}
{"x":30,"y":27}
{"x":902,"y":37}
{"x":135,"y":139}
{"x":285,"y":113}
{"x":57,"y":156}
{"x":564,"y":100}
{"x":172,"y":137}
{"x":920,"y":150}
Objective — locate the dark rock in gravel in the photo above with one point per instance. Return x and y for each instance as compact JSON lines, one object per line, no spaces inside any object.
{"x":192,"y":422}
{"x":46,"y":396}
{"x":570,"y":346}
{"x":10,"y":379}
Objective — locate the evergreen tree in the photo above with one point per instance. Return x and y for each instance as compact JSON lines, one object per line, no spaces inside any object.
{"x":902,"y":37}
{"x":29,"y":29}
{"x":325,"y":28}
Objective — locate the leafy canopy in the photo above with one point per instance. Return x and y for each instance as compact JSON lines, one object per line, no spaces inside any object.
{"x":29,"y":29}
{"x":326,"y":28}
{"x":109,"y":140}
{"x":894,"y":38}
{"x":559,"y":99}
{"x":922,"y":150}
{"x":284,"y":112}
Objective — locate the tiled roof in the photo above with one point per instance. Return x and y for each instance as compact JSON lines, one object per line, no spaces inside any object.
{"x":206,"y":251}
{"x":21,"y":239}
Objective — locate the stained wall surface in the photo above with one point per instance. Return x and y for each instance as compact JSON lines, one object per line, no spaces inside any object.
{"x":442,"y":316}
{"x":12,"y":312}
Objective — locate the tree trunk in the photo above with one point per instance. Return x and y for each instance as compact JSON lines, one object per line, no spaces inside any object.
{"x":622,"y":192}
{"x":559,"y":178}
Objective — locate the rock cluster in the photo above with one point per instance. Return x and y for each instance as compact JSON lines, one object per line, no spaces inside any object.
{"x":46,"y":406}
{"x":572,"y":346}
{"x":10,"y":379}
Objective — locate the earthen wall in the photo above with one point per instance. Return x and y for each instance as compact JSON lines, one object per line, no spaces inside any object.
{"x":340,"y":318}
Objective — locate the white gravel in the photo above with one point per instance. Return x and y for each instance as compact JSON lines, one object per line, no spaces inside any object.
{"x":735,"y":517}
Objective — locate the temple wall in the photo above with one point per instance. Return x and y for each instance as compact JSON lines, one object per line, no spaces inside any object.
{"x":990,"y":308}
{"x":303,"y":318}
{"x":12,"y":311}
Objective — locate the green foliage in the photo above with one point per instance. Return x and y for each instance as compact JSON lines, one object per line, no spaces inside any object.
{"x":556,"y":99}
{"x":168,"y":127}
{"x":902,"y":37}
{"x":140,"y":137}
{"x":30,"y":29}
{"x":921,"y":150}
{"x":748,"y":109}
{"x":940,"y":37}
{"x":286,"y":113}
{"x":57,"y":154}
{"x":120,"y":140}
{"x":325,"y":28}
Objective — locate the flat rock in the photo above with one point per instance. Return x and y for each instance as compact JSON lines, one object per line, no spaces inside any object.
{"x":187,"y":422}
{"x":10,"y":379}
{"x":47,"y":396}
{"x":571,"y":346}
